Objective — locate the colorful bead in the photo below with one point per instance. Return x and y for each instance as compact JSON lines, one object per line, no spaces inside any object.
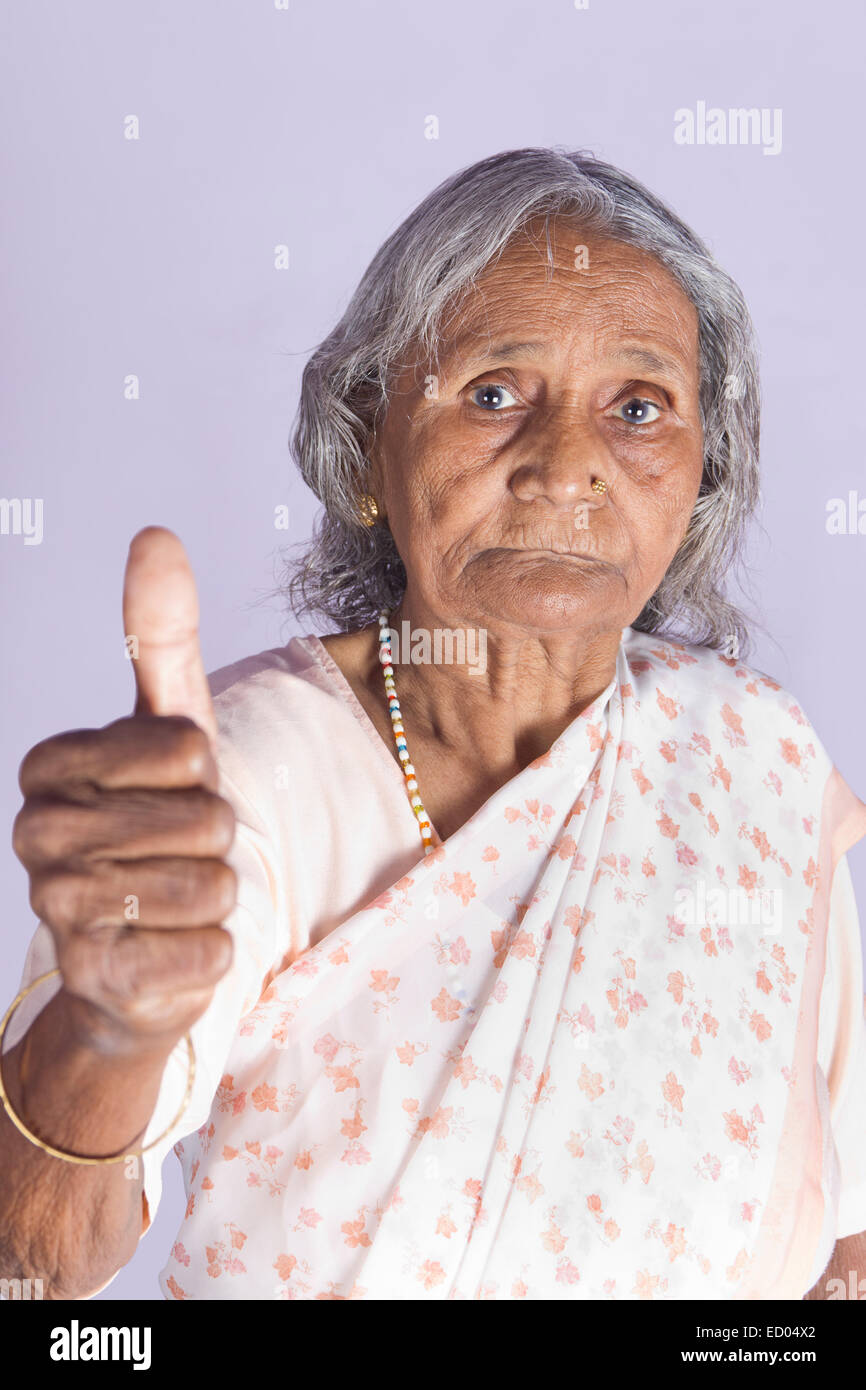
{"x":415,"y":801}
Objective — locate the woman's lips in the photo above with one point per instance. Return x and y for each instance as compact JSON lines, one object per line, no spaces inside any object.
{"x":554,"y":553}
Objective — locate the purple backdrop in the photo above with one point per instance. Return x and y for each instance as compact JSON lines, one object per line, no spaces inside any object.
{"x":305,"y":125}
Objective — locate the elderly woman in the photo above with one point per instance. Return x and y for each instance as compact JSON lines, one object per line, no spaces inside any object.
{"x":540,"y":974}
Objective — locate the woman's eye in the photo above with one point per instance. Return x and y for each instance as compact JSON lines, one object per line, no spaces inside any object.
{"x":637,"y":411}
{"x":492,"y":397}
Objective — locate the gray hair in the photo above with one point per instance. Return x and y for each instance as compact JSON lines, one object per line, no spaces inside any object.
{"x":349,"y":572}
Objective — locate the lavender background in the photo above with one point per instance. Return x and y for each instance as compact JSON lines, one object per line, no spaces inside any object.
{"x":305,"y":126}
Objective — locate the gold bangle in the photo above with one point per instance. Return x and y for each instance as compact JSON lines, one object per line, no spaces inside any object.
{"x":59,"y":1153}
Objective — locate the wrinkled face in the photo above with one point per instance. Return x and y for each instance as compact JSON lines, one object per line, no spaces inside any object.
{"x":543,"y":385}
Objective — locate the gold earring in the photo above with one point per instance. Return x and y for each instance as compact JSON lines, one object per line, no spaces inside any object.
{"x":368,"y":509}
{"x":599,"y":486}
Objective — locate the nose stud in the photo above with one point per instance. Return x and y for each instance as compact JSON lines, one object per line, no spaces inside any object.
{"x":599,"y":486}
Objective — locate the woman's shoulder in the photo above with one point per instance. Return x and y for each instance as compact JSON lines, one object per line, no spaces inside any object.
{"x":280,"y":680}
{"x":697,"y":671}
{"x":722,"y":698}
{"x":285,"y":698}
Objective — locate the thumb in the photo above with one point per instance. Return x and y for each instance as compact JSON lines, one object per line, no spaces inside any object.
{"x":160,"y":622}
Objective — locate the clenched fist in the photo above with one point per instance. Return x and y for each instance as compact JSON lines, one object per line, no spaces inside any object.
{"x":124,"y":836}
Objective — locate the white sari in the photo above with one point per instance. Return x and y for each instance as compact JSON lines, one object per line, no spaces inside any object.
{"x":526,"y":1069}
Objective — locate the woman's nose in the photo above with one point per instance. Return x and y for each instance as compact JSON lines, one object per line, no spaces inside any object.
{"x":558,"y":465}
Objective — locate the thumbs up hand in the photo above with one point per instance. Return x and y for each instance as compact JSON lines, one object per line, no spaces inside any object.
{"x":160,"y":615}
{"x":124,"y":835}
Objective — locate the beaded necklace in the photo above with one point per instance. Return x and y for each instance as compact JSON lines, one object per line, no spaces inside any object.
{"x":399,"y":734}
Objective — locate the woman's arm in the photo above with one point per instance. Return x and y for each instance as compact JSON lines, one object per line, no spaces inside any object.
{"x":848,"y":1265}
{"x":70,"y":1225}
{"x":124,"y":837}
{"x":842,"y":1061}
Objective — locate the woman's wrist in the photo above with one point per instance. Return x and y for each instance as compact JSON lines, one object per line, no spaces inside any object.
{"x":90,"y":1028}
{"x":78,"y":1083}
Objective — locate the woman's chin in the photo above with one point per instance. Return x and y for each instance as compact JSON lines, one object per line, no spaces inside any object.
{"x":555,"y":597}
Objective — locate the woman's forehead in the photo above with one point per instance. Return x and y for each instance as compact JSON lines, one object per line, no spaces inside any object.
{"x":587,"y":271}
{"x":515,"y":311}
{"x":591,"y":282}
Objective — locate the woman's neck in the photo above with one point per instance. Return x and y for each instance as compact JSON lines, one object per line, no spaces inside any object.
{"x":499,"y":696}
{"x":470,"y":731}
